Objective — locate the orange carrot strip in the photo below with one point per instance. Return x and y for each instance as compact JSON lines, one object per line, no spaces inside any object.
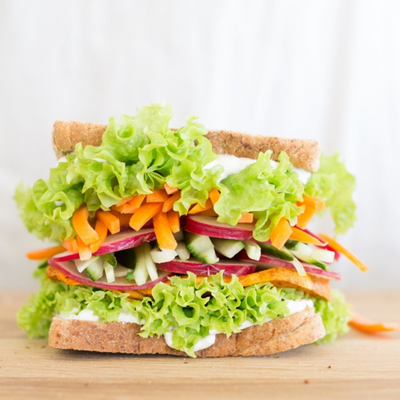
{"x":214,"y":195}
{"x":159,"y":196}
{"x":84,"y":250}
{"x":246,"y":218}
{"x":339,"y":248}
{"x":123,"y":218}
{"x":170,"y":189}
{"x":109,"y":220}
{"x":124,"y":200}
{"x":199,"y":208}
{"x":101,"y":230}
{"x":163,"y":232}
{"x":302,"y":236}
{"x":173,"y":221}
{"x":144,"y":214}
{"x":304,"y":218}
{"x":208,"y":213}
{"x":314,"y":202}
{"x":281,"y":233}
{"x":363,"y":324}
{"x":82,"y":226}
{"x":71,"y":245}
{"x":45,"y":253}
{"x":131,"y":206}
{"x":169,"y":203}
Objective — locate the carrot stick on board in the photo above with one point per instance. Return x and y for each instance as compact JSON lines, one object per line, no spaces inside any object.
{"x":169,"y":203}
{"x":173,"y":221}
{"x":340,"y":249}
{"x":45,"y":253}
{"x":281,"y":233}
{"x":144,"y":214}
{"x":163,"y":232}
{"x":365,"y":325}
{"x":82,"y":227}
{"x":101,"y":230}
{"x":109,"y":220}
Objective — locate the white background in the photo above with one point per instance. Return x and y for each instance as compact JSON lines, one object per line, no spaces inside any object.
{"x":308,"y":69}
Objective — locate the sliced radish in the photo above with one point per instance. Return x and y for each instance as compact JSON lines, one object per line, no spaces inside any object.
{"x":267,"y":261}
{"x":117,"y":242}
{"x":69,"y":269}
{"x":209,"y":226}
{"x":198,"y":268}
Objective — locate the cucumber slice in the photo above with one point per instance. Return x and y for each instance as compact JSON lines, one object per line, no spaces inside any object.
{"x":82,"y":265}
{"x":110,"y":258}
{"x":183,"y":252}
{"x":253,"y":250}
{"x":120,"y":271}
{"x":150,"y":266}
{"x":278,"y":253}
{"x":201,"y":247}
{"x":95,"y":270}
{"x":305,"y":254}
{"x":140,"y":273}
{"x":227,"y":247}
{"x":323,"y":255}
{"x":109,"y":270}
{"x":159,"y":255}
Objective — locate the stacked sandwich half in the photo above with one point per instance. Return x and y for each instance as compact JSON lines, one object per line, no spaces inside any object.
{"x":184,"y":241}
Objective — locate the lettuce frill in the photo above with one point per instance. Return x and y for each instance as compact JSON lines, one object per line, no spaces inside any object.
{"x":188,"y":309}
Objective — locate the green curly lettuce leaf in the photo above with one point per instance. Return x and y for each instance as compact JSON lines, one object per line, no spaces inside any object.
{"x":270,"y":192}
{"x":188,"y":309}
{"x":333,"y":183}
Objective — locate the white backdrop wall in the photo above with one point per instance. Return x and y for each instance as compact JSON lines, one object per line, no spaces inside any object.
{"x":328,"y":70}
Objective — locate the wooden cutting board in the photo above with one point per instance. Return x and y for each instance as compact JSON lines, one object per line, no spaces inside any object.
{"x":356,"y":366}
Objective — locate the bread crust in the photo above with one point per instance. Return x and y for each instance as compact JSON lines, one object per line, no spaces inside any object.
{"x":114,"y":337}
{"x":302,"y":153}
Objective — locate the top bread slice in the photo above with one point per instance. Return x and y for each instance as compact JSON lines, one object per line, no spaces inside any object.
{"x":303,"y":153}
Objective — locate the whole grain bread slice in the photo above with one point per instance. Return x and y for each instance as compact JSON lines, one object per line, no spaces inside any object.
{"x":302,"y":153}
{"x":115,"y":337}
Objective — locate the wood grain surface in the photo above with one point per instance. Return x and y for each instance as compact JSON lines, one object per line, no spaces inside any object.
{"x":356,"y":366}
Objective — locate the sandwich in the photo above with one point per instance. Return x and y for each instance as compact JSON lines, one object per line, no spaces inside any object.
{"x":185,"y":241}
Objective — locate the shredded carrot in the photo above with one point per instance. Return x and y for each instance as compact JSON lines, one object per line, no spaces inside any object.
{"x":163,"y":232}
{"x":169,"y":203}
{"x":199,"y":208}
{"x":84,"y":250}
{"x":214,"y":195}
{"x":123,"y":218}
{"x":281,"y":233}
{"x":170,"y":189}
{"x":312,"y":205}
{"x":124,"y":200}
{"x":45,"y":253}
{"x":71,"y":245}
{"x":339,"y":248}
{"x":82,"y":227}
{"x":246,"y":218}
{"x":159,"y":196}
{"x":314,"y":202}
{"x":132,"y":205}
{"x":208,"y":213}
{"x":101,"y":230}
{"x":363,"y":324}
{"x":173,"y":221}
{"x":144,"y":214}
{"x":109,"y":220}
{"x":304,"y":237}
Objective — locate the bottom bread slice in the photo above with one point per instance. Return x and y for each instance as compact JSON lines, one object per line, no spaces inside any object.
{"x":115,"y":337}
